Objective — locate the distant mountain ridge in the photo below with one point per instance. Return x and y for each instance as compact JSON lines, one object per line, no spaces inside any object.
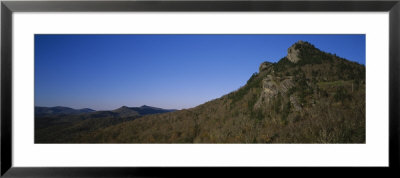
{"x":123,"y":111}
{"x":59,"y":110}
{"x":59,"y":124}
{"x":144,"y":110}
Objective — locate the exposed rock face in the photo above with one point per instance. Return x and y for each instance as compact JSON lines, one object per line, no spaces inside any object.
{"x":265,"y":66}
{"x":271,"y":87}
{"x":295,"y":103}
{"x":293,"y":53}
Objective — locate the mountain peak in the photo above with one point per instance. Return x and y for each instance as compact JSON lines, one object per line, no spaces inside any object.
{"x":294,"y":50}
{"x":122,"y":108}
{"x":148,"y":107}
{"x":300,"y":43}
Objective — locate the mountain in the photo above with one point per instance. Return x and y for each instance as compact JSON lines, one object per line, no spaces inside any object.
{"x":308,"y":96}
{"x":60,"y":124}
{"x":58,"y":110}
{"x":142,"y":110}
{"x":126,"y":111}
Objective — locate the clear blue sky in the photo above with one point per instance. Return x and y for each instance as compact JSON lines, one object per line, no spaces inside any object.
{"x":105,"y":72}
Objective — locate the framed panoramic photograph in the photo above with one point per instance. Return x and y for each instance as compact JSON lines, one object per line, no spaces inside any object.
{"x":304,"y":96}
{"x":142,"y":88}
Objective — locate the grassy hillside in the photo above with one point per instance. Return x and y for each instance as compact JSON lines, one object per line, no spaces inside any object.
{"x":318,"y":99}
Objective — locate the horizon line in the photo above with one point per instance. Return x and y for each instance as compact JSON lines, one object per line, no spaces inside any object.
{"x":109,"y":109}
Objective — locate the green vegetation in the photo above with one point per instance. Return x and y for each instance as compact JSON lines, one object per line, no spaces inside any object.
{"x":311,"y":55}
{"x":253,"y":83}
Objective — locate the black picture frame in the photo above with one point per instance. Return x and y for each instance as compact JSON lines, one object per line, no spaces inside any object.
{"x":8,"y":7}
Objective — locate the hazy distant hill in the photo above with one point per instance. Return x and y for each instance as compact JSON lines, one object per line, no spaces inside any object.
{"x":143,"y":110}
{"x":308,"y":96}
{"x":58,"y":110}
{"x":59,"y":124}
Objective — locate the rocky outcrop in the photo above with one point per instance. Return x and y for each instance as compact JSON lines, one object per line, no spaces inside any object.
{"x":293,"y":53}
{"x":271,"y":86}
{"x":265,"y":66}
{"x":295,"y":103}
